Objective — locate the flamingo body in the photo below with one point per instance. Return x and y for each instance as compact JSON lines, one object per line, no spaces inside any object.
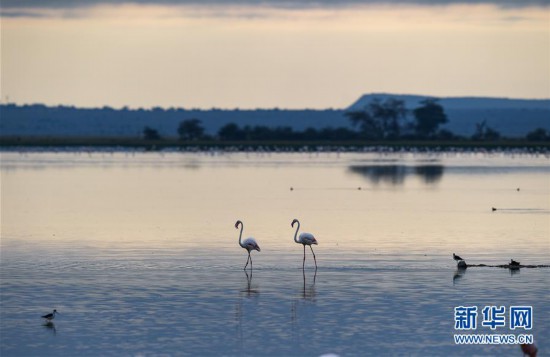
{"x":250,"y":244}
{"x":307,"y":239}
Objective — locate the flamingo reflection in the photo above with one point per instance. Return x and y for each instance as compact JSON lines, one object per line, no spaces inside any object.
{"x":307,"y":293}
{"x":306,"y":297}
{"x":249,"y":291}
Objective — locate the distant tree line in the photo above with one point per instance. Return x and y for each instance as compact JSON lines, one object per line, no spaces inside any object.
{"x":192,"y":130}
{"x":388,"y":120}
{"x":232,"y":132}
{"x":380,"y":120}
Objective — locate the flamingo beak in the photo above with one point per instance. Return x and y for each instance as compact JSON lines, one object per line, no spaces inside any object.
{"x":258,"y":249}
{"x":315,"y":242}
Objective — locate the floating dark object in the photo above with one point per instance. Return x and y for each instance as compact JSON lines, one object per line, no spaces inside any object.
{"x":518,"y":188}
{"x":514,"y":265}
{"x":509,"y":266}
{"x":529,"y":349}
{"x":462,"y":265}
{"x":457,"y":258}
{"x":494,"y":209}
{"x":292,"y":189}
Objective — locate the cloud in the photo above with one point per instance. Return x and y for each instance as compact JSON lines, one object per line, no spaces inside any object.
{"x":285,"y":4}
{"x":259,"y":9}
{"x":21,"y":13}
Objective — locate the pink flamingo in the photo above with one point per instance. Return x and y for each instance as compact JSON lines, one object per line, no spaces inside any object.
{"x":305,"y":239}
{"x":248,"y":244}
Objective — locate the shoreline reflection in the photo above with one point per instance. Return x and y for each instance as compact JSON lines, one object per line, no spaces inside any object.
{"x":397,"y":174}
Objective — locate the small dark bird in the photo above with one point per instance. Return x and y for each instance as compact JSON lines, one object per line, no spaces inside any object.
{"x":456,"y":257}
{"x":514,"y":263}
{"x":494,"y":209}
{"x":51,"y":316}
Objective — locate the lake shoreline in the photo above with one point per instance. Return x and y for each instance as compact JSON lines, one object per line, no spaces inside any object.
{"x":15,"y":142}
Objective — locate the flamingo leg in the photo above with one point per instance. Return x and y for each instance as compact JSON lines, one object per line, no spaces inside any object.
{"x":313,"y":256}
{"x":250,"y":262}
{"x":247,"y":261}
{"x":304,"y":263}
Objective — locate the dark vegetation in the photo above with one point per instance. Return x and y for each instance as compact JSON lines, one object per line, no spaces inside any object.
{"x":150,"y":134}
{"x":381,"y":121}
{"x":386,"y":122}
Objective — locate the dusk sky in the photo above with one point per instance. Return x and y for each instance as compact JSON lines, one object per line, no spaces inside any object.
{"x":265,"y":54}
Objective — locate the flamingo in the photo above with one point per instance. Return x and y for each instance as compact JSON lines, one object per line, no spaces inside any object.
{"x":50,"y":316}
{"x":304,"y":239}
{"x":248,"y":244}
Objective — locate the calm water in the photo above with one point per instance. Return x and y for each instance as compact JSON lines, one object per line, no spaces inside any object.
{"x":138,"y":251}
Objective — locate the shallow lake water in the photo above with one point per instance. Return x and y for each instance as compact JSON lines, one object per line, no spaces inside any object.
{"x":138,"y":251}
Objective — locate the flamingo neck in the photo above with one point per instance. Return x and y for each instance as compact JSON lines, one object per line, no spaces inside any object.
{"x":240,"y":235}
{"x":296,"y":234}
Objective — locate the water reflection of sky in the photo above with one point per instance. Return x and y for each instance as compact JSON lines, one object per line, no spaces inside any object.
{"x":139,"y":253}
{"x":269,"y":312}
